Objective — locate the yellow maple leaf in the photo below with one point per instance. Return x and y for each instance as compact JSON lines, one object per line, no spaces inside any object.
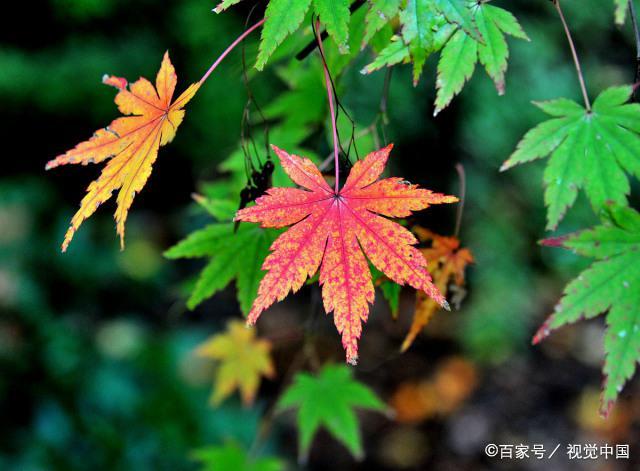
{"x":129,"y":143}
{"x":242,"y":361}
{"x":446,"y":261}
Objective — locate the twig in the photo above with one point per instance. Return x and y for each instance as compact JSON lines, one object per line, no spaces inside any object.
{"x":309,"y":48}
{"x":576,"y":61}
{"x":463,"y":191}
{"x":383,"y":104}
{"x":226,"y":52}
{"x":334,"y":127}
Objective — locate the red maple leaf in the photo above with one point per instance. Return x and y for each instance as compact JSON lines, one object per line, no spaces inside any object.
{"x":334,"y":230}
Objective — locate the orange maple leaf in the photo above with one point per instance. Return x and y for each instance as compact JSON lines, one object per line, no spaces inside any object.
{"x":446,"y":261}
{"x":334,"y":230}
{"x":453,"y":381}
{"x":130,"y":143}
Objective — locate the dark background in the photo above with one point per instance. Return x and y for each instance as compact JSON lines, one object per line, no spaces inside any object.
{"x":96,"y":363}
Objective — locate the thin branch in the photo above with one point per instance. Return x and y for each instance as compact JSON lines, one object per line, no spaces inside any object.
{"x":334,"y":127}
{"x":463,"y":191}
{"x":309,"y":48}
{"x":576,"y":61}
{"x":226,"y":52}
{"x":383,"y":104}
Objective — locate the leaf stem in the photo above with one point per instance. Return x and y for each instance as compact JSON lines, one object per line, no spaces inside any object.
{"x":463,"y":190}
{"x":226,"y":52}
{"x":576,"y":61}
{"x":330,"y":97}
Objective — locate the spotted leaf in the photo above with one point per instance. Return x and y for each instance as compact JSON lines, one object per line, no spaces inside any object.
{"x":336,"y":232}
{"x":129,"y":144}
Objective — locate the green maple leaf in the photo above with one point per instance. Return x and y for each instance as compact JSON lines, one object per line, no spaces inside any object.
{"x":458,"y":12}
{"x":334,"y":14}
{"x":231,"y":457}
{"x":425,"y":29}
{"x":462,"y":51}
{"x":303,"y":103}
{"x":589,"y":150}
{"x":328,"y":400}
{"x":465,"y":32}
{"x":232,"y":256}
{"x":284,"y":17}
{"x":378,"y":16}
{"x":224,"y":4}
{"x":393,"y":53}
{"x":612,"y":285}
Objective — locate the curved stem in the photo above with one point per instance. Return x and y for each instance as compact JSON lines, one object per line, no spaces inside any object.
{"x":226,"y":52}
{"x":463,"y":190}
{"x":332,"y":110}
{"x":576,"y":61}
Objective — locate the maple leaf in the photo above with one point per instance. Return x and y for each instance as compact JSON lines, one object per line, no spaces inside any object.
{"x":425,"y":29}
{"x":589,"y":150}
{"x":233,"y":255}
{"x":379,"y":14}
{"x":130,"y":144}
{"x":446,"y":262}
{"x":231,"y":457}
{"x":462,"y":51}
{"x":334,"y":231}
{"x":466,"y":32}
{"x":243,"y":360}
{"x":612,"y":285}
{"x":328,"y":400}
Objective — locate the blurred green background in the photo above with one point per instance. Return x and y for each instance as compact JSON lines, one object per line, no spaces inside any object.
{"x":96,"y":363}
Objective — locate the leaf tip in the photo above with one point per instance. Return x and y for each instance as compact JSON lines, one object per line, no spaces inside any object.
{"x":118,"y":82}
{"x":606,"y":406}
{"x":542,"y":333}
{"x":553,"y":241}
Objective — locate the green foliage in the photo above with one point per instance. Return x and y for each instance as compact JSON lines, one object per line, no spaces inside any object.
{"x":283,"y":17}
{"x":621,"y":10}
{"x":589,"y":150}
{"x":231,"y":457}
{"x":233,"y":255}
{"x":224,"y":4}
{"x":390,"y":290}
{"x":424,"y":30}
{"x":465,"y":32}
{"x":456,"y":66}
{"x":334,"y":14}
{"x":462,"y":51}
{"x":457,"y":12}
{"x":394,"y":53}
{"x":378,"y":16}
{"x":611,"y":285}
{"x":328,"y":400}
